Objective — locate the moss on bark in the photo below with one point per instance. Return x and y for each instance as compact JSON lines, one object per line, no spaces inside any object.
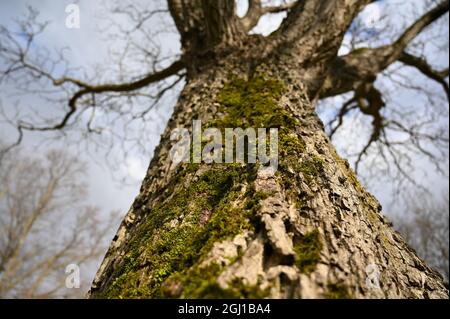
{"x":207,"y":203}
{"x":307,"y":251}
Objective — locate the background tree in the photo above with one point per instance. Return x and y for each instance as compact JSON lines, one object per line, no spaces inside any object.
{"x":425,"y":228}
{"x":312,"y":230}
{"x":45,"y":226}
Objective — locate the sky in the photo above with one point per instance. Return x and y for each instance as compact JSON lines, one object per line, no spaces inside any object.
{"x":89,"y":46}
{"x":86,"y":47}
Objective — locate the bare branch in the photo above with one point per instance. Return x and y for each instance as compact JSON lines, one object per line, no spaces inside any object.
{"x":364,"y":64}
{"x":123,"y":87}
{"x":346,"y":107}
{"x":256,"y":10}
{"x":420,"y":24}
{"x":422,"y":65}
{"x":40,"y":74}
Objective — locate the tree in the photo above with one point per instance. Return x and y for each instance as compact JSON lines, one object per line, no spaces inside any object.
{"x":308,"y":229}
{"x":426,"y":229}
{"x":46,"y":227}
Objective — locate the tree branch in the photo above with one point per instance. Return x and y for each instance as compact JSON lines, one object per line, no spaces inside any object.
{"x":345,"y":108}
{"x":370,"y":102}
{"x":122,"y":87}
{"x":421,"y":24}
{"x":256,"y":10}
{"x":422,"y":65}
{"x":364,"y":64}
{"x":221,"y":23}
{"x":320,"y":16}
{"x":188,"y":18}
{"x":312,"y":33}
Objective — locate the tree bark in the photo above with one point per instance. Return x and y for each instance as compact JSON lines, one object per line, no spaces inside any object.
{"x":309,"y":230}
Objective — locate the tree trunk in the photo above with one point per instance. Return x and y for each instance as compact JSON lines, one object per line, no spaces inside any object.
{"x":309,"y":230}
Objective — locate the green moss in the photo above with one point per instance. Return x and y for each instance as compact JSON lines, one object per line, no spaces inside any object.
{"x":311,"y":167}
{"x":209,"y":208}
{"x":290,"y":144}
{"x":200,"y":283}
{"x":205,"y":216}
{"x":337,"y":291}
{"x":253,"y":104}
{"x":196,"y":283}
{"x":307,"y":251}
{"x":125,"y":287}
{"x":241,"y":290}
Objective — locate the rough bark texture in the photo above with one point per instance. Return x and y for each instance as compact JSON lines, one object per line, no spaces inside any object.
{"x":309,"y":230}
